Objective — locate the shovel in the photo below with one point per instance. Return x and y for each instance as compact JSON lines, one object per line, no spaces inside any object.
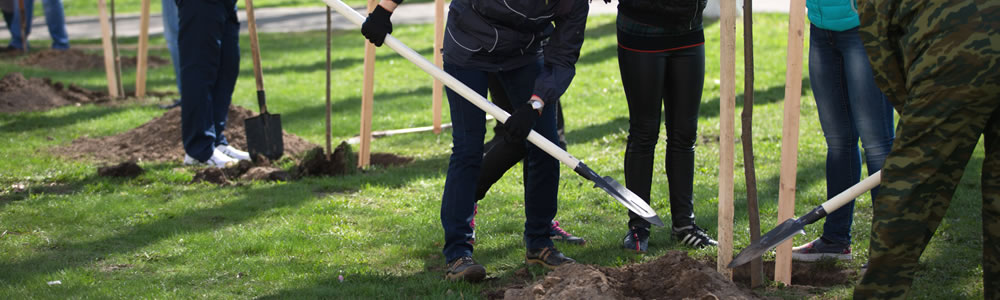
{"x":791,"y":227}
{"x":24,"y":26}
{"x":631,"y":201}
{"x":264,"y":135}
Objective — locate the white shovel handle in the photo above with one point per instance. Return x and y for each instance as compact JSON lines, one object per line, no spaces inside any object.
{"x":853,"y":192}
{"x":456,"y":85}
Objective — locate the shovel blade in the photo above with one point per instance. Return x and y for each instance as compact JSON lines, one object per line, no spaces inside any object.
{"x":772,"y":239}
{"x":264,"y":136}
{"x":631,"y":201}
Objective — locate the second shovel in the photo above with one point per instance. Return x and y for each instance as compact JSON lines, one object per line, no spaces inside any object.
{"x":264,"y":135}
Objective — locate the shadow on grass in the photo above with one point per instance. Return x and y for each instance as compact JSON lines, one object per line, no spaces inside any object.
{"x":40,"y":121}
{"x":346,"y":106}
{"x":710,"y":109}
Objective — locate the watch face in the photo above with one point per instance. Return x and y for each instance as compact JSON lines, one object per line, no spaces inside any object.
{"x":536,"y":104}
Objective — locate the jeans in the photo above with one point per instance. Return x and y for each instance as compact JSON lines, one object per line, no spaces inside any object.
{"x":210,"y":62}
{"x":541,"y":171}
{"x":672,"y":81}
{"x":54,"y":18}
{"x":170,"y":28}
{"x":850,"y":107}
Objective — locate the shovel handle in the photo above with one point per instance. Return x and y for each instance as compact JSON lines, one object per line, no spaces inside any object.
{"x":852,"y":192}
{"x":258,"y":74}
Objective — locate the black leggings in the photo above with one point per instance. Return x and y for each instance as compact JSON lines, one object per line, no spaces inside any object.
{"x":673,"y":79}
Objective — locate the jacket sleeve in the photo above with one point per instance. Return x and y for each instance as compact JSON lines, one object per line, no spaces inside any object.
{"x":562,"y":51}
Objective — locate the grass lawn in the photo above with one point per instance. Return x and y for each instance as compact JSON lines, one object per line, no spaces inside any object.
{"x":156,"y":236}
{"x":89,"y":8}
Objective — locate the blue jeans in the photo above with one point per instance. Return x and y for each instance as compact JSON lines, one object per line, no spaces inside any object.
{"x":54,"y":18}
{"x":541,"y":171}
{"x":171,"y":24}
{"x":210,"y":62}
{"x":850,"y":107}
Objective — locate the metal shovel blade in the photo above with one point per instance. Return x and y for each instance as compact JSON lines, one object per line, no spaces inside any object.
{"x":264,"y":136}
{"x":632,"y":201}
{"x":772,"y":239}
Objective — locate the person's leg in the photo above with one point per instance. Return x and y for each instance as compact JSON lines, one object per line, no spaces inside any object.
{"x":843,"y":158}
{"x":642,"y":74}
{"x":468,"y":130}
{"x":170,"y":29}
{"x":682,"y":85}
{"x":15,"y":28}
{"x":229,"y":70}
{"x":200,"y":39}
{"x":56,"y":21}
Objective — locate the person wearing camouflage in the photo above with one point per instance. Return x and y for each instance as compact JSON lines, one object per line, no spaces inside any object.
{"x":937,"y":62}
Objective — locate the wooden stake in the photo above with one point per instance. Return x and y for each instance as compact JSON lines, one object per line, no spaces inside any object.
{"x":437,"y":90}
{"x":367,"y":100}
{"x":24,"y":26}
{"x":329,"y":41}
{"x":142,"y":56}
{"x":727,"y":107}
{"x":109,"y":56}
{"x":790,"y":136}
{"x":114,"y":48}
{"x":756,"y":265}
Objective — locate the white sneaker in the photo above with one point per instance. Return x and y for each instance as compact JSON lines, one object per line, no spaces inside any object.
{"x":233,"y":152}
{"x":218,"y":160}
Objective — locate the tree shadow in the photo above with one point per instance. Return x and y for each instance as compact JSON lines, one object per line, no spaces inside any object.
{"x":710,"y":108}
{"x":37,"y":120}
{"x":345,"y":106}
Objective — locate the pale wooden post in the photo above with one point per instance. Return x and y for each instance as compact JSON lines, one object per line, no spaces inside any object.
{"x":109,"y":56}
{"x":367,"y":100}
{"x":727,"y":128}
{"x":142,"y":57}
{"x":437,"y":89}
{"x":790,"y":136}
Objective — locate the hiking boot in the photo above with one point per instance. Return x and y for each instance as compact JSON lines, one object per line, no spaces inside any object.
{"x":233,"y":152}
{"x":475,"y":211}
{"x":464,"y":268}
{"x":821,"y":248}
{"x":548,"y":257}
{"x":636,"y":239}
{"x":218,"y":160}
{"x":556,"y":233}
{"x":693,"y":236}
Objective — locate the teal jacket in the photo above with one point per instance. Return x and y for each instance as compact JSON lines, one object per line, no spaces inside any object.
{"x":836,"y":15}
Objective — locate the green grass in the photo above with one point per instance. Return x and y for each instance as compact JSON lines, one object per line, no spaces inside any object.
{"x":89,"y":8}
{"x":156,"y":236}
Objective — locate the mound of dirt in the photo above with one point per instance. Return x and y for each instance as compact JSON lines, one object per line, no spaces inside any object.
{"x":672,"y":276}
{"x":389,"y":159}
{"x":77,"y":60}
{"x":314,"y":163}
{"x":160,"y":140}
{"x":19,"y":94}
{"x":126,"y":169}
{"x":211,"y":175}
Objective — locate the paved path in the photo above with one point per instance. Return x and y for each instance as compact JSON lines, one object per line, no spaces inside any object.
{"x":295,"y":19}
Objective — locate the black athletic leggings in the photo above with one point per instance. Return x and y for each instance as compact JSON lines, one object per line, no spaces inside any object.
{"x":673,"y":79}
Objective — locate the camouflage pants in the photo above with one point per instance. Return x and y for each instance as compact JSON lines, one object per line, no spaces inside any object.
{"x":939,"y":64}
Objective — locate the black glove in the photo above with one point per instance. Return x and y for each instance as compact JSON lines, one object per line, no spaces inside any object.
{"x":519,"y":124}
{"x":496,"y":162}
{"x":377,"y":25}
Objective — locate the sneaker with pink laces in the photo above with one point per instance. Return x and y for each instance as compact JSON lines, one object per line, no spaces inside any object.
{"x":556,"y":233}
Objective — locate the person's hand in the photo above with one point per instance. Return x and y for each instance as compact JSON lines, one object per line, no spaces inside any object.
{"x":377,"y":25}
{"x":519,"y":124}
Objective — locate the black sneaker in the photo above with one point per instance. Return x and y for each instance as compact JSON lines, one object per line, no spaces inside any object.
{"x":694,"y":236}
{"x":636,"y":239}
{"x":548,"y":257}
{"x":464,"y":268}
{"x":821,"y":248}
{"x":556,"y":233}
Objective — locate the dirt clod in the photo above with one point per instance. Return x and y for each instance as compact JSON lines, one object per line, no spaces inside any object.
{"x":78,"y":60}
{"x":314,"y":163}
{"x":389,"y":159}
{"x":211,"y":175}
{"x":266,"y":174}
{"x":18,"y":94}
{"x":127,"y":169}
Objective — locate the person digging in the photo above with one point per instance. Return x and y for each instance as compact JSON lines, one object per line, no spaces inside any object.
{"x":514,"y":30}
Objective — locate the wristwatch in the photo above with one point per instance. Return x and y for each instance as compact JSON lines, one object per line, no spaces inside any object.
{"x":536,"y":105}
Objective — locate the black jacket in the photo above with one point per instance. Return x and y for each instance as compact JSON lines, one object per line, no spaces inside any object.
{"x":677,"y":16}
{"x":494,"y":35}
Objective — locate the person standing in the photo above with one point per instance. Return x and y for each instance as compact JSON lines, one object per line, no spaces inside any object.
{"x":170,"y":28}
{"x":54,"y":18}
{"x":937,"y":62}
{"x":208,"y":41}
{"x":850,"y":107}
{"x":661,"y":55}
{"x":484,"y":37}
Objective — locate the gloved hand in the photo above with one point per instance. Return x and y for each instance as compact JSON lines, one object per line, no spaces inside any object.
{"x":519,"y":124}
{"x":377,"y":25}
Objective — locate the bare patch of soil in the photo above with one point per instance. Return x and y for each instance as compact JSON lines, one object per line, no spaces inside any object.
{"x":127,"y":169}
{"x":266,"y":174}
{"x":211,"y":175}
{"x":160,"y":140}
{"x":18,"y":94}
{"x":77,"y":60}
{"x":315,"y":163}
{"x":817,"y":274}
{"x":671,"y":276}
{"x":389,"y":160}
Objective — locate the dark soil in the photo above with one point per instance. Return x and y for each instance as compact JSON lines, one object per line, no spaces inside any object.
{"x":389,"y":160}
{"x":160,"y":140}
{"x":19,"y":94}
{"x":314,"y":163}
{"x":126,"y":169}
{"x":77,"y":60}
{"x":211,"y":175}
{"x":266,"y":174}
{"x":671,"y":276}
{"x":818,"y":274}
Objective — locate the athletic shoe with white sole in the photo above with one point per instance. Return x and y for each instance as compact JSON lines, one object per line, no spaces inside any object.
{"x":694,"y":236}
{"x":233,"y":152}
{"x":821,"y":248}
{"x":218,"y":160}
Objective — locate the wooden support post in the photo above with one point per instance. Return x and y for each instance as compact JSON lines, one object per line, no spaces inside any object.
{"x":790,"y":136}
{"x":437,"y":90}
{"x":143,"y":53}
{"x":23,"y":11}
{"x":109,"y":56}
{"x":114,"y":49}
{"x":329,"y":41}
{"x":727,"y":128}
{"x":367,"y":100}
{"x":756,"y":265}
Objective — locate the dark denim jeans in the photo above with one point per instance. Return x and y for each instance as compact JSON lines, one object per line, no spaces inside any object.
{"x":541,"y":171}
{"x":850,"y":107}
{"x":55,"y":19}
